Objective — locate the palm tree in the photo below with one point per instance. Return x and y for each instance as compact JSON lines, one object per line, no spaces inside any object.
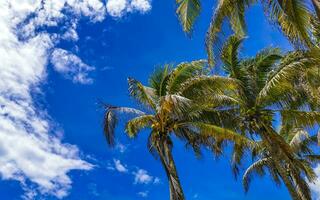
{"x":271,"y":84}
{"x":300,"y":142}
{"x":175,"y":104}
{"x":293,"y":17}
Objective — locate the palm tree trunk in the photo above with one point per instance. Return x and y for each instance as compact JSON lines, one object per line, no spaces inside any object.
{"x":165,"y":154}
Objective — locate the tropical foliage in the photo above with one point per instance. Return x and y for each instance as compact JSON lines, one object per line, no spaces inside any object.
{"x":240,"y":107}
{"x":300,"y":142}
{"x":294,"y":17}
{"x":174,"y":106}
{"x":273,"y":85}
{"x":243,"y":107}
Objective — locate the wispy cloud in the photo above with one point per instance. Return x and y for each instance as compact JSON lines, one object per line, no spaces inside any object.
{"x":119,"y":166}
{"x":29,"y":149}
{"x":71,"y":66}
{"x":141,"y":176}
{"x":121,"y":147}
{"x":156,"y":180}
{"x":143,"y":194}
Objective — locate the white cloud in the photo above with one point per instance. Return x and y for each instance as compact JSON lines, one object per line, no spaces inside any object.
{"x":156,"y":180}
{"x":141,"y":5}
{"x":119,"y":167}
{"x":117,"y":8}
{"x":143,"y":194}
{"x":71,"y":66}
{"x":30,"y":151}
{"x":315,"y":187}
{"x":27,"y":151}
{"x":71,"y":33}
{"x":142,"y":177}
{"x":121,"y":148}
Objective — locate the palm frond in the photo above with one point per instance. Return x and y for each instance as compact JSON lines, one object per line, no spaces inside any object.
{"x":256,"y":167}
{"x":111,"y":119}
{"x":135,"y":125}
{"x":312,"y":158}
{"x":158,"y":80}
{"x":229,"y":56}
{"x":293,"y":17}
{"x":220,"y":133}
{"x":175,"y":105}
{"x":290,"y":66}
{"x":301,"y":118}
{"x":232,"y":9}
{"x":143,"y":94}
{"x":207,"y":85}
{"x":188,"y":11}
{"x":182,"y":73}
{"x":109,"y":124}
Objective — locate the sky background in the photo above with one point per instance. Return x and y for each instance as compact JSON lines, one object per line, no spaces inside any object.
{"x":59,"y":59}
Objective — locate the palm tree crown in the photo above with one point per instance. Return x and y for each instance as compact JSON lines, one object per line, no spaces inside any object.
{"x":273,"y":84}
{"x":174,"y":104}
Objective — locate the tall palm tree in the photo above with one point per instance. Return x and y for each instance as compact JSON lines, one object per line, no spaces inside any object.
{"x":270,"y":85}
{"x":175,"y":104}
{"x":294,"y":18}
{"x":300,"y":142}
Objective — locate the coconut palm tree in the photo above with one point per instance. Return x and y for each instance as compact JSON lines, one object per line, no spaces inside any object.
{"x":176,"y":103}
{"x":300,"y":142}
{"x":293,"y":17}
{"x":272,"y":84}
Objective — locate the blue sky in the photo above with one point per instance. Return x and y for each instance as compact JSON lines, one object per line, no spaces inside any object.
{"x":73,"y":72}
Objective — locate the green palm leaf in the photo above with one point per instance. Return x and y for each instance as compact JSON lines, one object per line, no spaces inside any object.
{"x":143,"y":94}
{"x":256,"y":167}
{"x":111,"y":119}
{"x":301,"y":118}
{"x":293,"y":17}
{"x":135,"y":125}
{"x":182,"y":73}
{"x":188,"y":11}
{"x":220,"y":133}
